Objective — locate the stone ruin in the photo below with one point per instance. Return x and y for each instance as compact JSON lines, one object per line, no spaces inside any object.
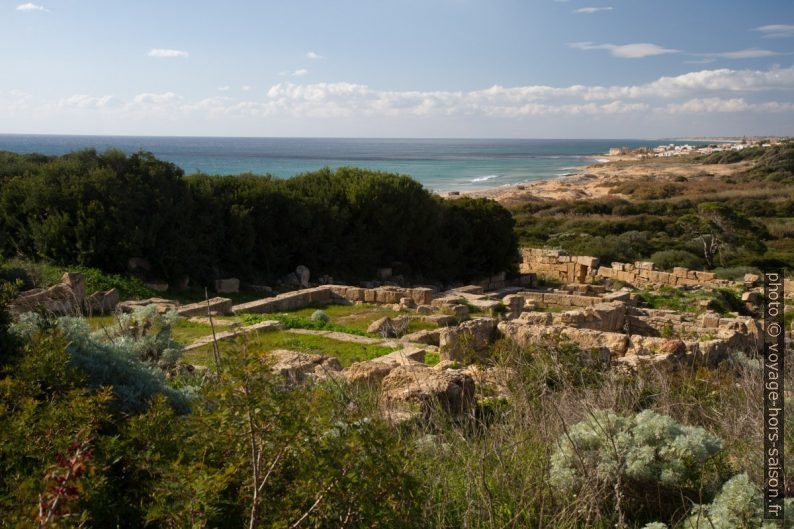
{"x":557,"y":265}
{"x":67,"y":298}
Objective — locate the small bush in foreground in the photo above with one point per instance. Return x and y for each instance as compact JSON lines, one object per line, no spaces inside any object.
{"x":644,"y":463}
{"x":738,"y":505}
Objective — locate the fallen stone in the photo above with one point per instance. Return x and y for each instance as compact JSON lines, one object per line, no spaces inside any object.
{"x":303,"y":275}
{"x":102,"y":302}
{"x":162,"y":305}
{"x":426,"y":336}
{"x":297,"y":368}
{"x":369,"y":373}
{"x":442,"y":320}
{"x":418,"y":390}
{"x":454,"y":342}
{"x":219,"y":306}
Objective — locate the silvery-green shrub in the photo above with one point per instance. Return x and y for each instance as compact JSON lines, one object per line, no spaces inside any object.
{"x":739,"y":505}
{"x":647,"y":447}
{"x":131,"y":357}
{"x":319,"y":315}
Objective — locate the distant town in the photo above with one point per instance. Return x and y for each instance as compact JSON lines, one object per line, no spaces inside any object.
{"x":671,"y":149}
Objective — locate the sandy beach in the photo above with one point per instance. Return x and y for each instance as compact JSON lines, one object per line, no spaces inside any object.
{"x":597,"y":180}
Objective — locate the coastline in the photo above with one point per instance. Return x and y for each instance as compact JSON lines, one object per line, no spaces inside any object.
{"x":598,"y":180}
{"x":585,"y":182}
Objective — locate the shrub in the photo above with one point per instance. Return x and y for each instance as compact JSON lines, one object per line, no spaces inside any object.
{"x":319,"y":315}
{"x":736,"y":273}
{"x":130,"y":358}
{"x":98,"y":210}
{"x":669,"y":259}
{"x":645,"y":462}
{"x":738,"y":505}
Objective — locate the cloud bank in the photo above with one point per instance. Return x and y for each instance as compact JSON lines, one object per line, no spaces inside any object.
{"x":714,"y":92}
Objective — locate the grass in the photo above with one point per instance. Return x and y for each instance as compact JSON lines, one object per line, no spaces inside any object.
{"x":346,"y":352}
{"x":351,"y":319}
{"x":721,"y":300}
{"x":42,"y":275}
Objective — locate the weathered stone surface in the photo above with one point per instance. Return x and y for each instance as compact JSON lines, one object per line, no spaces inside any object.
{"x":608,"y":317}
{"x":469,"y":289}
{"x":298,"y":367}
{"x":297,"y":299}
{"x":102,"y":302}
{"x":429,"y":337}
{"x":419,"y":389}
{"x":221,"y":306}
{"x":620,"y":295}
{"x":473,"y":334}
{"x":227,"y":286}
{"x":369,"y":373}
{"x":607,"y":343}
{"x":459,"y":311}
{"x":407,"y":304}
{"x":514,"y":304}
{"x":442,"y":320}
{"x":65,"y":298}
{"x":710,"y":320}
{"x":162,"y":305}
{"x":303,"y":274}
{"x":382,"y":326}
{"x":406,"y":356}
{"x":424,"y":310}
{"x":536,"y":318}
{"x":422,"y":295}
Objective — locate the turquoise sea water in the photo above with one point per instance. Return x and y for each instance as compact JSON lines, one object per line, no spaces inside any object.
{"x":441,"y":165}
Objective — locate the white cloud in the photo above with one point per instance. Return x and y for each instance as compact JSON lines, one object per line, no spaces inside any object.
{"x":300,"y":72}
{"x":748,"y":53}
{"x":590,"y":10}
{"x":626,"y":51}
{"x":726,"y":92}
{"x":314,"y":56}
{"x":716,"y":104}
{"x":82,"y":101}
{"x":224,"y":88}
{"x":245,"y":88}
{"x":773,"y":31}
{"x":164,"y":53}
{"x":30,"y":6}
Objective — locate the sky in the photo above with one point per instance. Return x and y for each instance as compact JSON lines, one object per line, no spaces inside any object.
{"x":408,"y":68}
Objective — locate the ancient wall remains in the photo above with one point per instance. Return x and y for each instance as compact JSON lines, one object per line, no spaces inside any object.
{"x":557,"y":265}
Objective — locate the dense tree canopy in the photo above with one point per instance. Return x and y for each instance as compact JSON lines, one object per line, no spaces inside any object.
{"x":100,"y":210}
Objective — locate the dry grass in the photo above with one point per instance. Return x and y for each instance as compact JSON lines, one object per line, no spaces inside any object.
{"x":494,"y":471}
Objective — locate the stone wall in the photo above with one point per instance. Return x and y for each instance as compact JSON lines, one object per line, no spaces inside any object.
{"x":557,"y":265}
{"x":327,"y":294}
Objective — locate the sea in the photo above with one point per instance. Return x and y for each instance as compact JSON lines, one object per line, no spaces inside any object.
{"x":439,"y":164}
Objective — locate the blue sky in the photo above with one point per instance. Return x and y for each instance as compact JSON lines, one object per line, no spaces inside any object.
{"x":431,"y":68}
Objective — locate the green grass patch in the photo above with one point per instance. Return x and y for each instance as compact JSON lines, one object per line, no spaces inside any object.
{"x":432,"y":359}
{"x":346,"y":352}
{"x":42,"y":275}
{"x":291,"y":321}
{"x":351,"y":319}
{"x":721,"y":300}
